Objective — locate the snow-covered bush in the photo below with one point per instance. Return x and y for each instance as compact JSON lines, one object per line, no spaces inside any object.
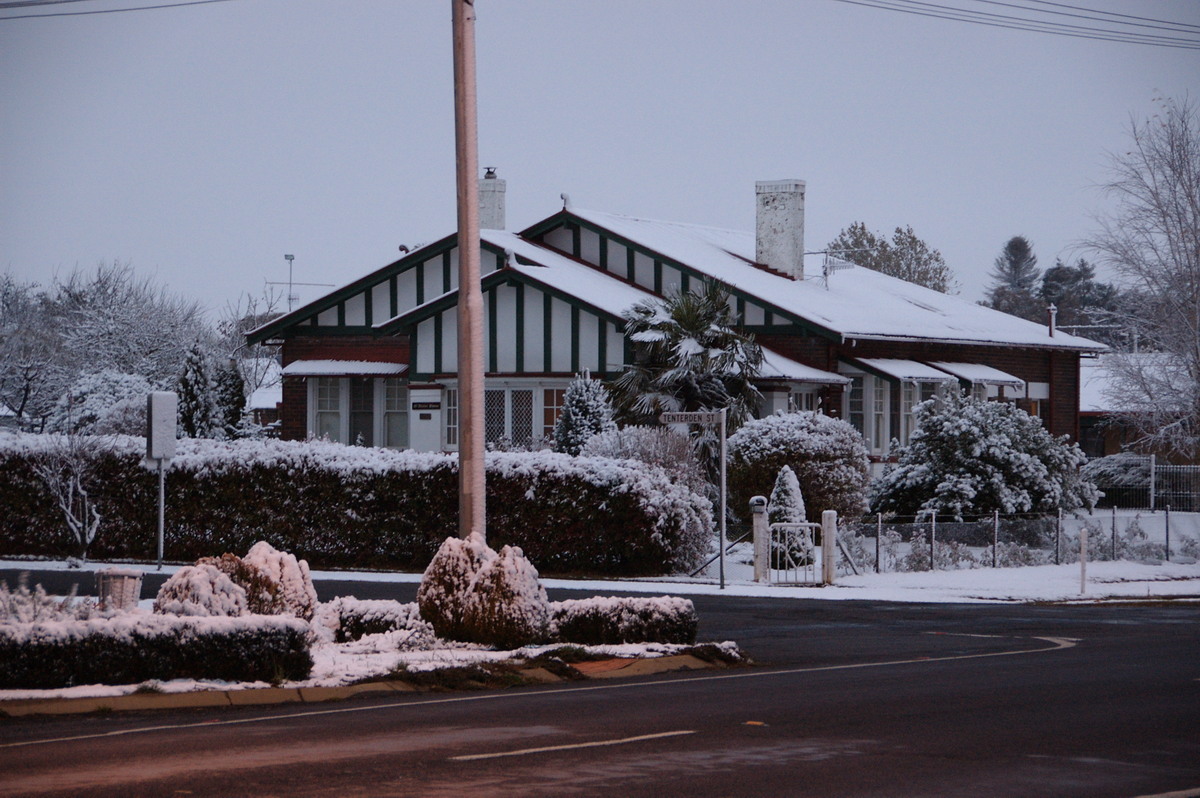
{"x":200,"y":413}
{"x":262,"y":593}
{"x":948,"y":555}
{"x":610,"y":621}
{"x":971,"y":457}
{"x":442,"y":594}
{"x":862,"y":553}
{"x":295,"y":591}
{"x":349,"y":618}
{"x":102,"y":403}
{"x":1014,"y":555}
{"x":200,"y":590}
{"x":790,"y":547}
{"x":67,"y":467}
{"x":1190,"y":548}
{"x":827,"y":455}
{"x":134,"y":648}
{"x":659,"y":446}
{"x":587,"y":411}
{"x":506,"y":605}
{"x":359,"y":507}
{"x":30,"y":606}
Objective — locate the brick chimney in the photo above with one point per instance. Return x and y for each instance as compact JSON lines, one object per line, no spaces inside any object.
{"x":491,"y":201}
{"x":779,"y":226}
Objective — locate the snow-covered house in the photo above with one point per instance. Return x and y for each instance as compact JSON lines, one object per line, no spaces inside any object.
{"x":375,"y":360}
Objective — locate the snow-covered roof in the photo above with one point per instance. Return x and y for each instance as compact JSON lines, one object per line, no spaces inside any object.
{"x":857,"y":303}
{"x":267,"y":397}
{"x":979,"y":374}
{"x":904,"y":370}
{"x":341,"y":368}
{"x":601,"y":290}
{"x":777,"y":367}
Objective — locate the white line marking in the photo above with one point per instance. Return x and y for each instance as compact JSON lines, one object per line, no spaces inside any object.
{"x":1058,"y":643}
{"x":1177,"y":794}
{"x":597,"y":744}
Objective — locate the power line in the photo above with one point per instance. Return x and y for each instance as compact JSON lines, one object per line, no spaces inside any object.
{"x":97,"y":11}
{"x":1113,"y":13}
{"x":1012,"y":22}
{"x":1174,"y":27}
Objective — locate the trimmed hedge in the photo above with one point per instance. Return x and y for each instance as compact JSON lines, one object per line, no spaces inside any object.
{"x":607,"y":621}
{"x":134,"y":648}
{"x":350,"y":618}
{"x":351,"y":507}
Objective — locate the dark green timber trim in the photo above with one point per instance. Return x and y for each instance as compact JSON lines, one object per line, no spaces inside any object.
{"x":368,"y":306}
{"x":446,"y":272}
{"x":341,"y":314}
{"x":630,"y":264}
{"x":437,"y":344}
{"x":547,"y":329}
{"x":576,"y":241}
{"x":420,"y":286}
{"x":394,"y":296}
{"x":604,"y":253}
{"x":601,"y":344}
{"x":683,"y":282}
{"x":658,"y":267}
{"x":493,"y":327}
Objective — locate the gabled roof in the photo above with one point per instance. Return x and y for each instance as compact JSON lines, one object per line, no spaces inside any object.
{"x":857,"y":303}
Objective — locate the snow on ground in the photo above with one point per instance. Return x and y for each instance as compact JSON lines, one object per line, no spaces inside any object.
{"x":377,"y":655}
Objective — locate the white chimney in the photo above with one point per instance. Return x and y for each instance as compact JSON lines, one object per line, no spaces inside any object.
{"x":779,"y":226}
{"x":491,"y":201}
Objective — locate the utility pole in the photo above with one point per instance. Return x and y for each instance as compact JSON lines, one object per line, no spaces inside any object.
{"x":471,"y":508}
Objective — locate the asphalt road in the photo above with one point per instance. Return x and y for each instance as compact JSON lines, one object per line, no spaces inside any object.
{"x":850,"y":698}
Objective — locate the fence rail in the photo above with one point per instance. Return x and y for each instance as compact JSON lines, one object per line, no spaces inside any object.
{"x":1143,"y":483}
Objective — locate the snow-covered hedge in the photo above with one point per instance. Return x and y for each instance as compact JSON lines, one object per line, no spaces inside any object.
{"x":349,"y":618}
{"x":136,"y":647}
{"x":605,"y":621}
{"x":345,"y":506}
{"x":828,"y":456}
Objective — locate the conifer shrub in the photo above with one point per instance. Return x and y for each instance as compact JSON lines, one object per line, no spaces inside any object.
{"x":442,"y":594}
{"x":828,"y":456}
{"x":294,"y":586}
{"x":611,"y":621}
{"x":200,"y":590}
{"x":790,"y":549}
{"x":262,"y":593}
{"x":134,"y":648}
{"x":506,"y":605}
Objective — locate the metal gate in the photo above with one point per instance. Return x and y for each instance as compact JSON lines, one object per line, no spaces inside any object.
{"x":793,"y":556}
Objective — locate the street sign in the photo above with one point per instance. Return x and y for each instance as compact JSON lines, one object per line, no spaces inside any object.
{"x":699,"y":417}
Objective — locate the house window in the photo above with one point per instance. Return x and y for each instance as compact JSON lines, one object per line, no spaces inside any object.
{"x":912,"y":394}
{"x":552,"y":406}
{"x":395,"y":413}
{"x":803,"y":402}
{"x":854,"y":399}
{"x":365,"y":411}
{"x":879,"y":409}
{"x":452,"y":417}
{"x":867,"y":405}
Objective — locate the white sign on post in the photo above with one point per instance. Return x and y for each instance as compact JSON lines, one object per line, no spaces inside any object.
{"x":694,"y":417}
{"x":162,"y":408}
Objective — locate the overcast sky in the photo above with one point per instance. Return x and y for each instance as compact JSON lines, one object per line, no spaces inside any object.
{"x":202,"y":143}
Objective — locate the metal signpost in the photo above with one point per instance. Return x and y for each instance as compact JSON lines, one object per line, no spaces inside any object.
{"x":162,"y":408}
{"x":708,"y":417}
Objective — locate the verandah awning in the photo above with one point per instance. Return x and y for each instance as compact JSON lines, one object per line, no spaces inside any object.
{"x":903,"y":370}
{"x":342,"y":368}
{"x":979,"y":374}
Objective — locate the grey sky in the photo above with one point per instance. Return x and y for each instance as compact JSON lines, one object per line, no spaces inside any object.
{"x":202,"y":143}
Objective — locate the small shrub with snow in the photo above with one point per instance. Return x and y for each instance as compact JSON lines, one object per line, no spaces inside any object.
{"x":828,"y":456}
{"x":789,"y":547}
{"x":506,"y":605}
{"x":587,"y":411}
{"x":1014,"y":555}
{"x":862,"y":553}
{"x":350,"y":618}
{"x":658,"y":446}
{"x":970,"y":457}
{"x":262,"y":593}
{"x":296,"y":592}
{"x":200,"y":590}
{"x":610,"y":621}
{"x":31,"y":606}
{"x":442,"y":594}
{"x":948,"y":555}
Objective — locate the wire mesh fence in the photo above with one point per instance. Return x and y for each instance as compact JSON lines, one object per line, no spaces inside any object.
{"x":1142,"y":482}
{"x":927,"y":542}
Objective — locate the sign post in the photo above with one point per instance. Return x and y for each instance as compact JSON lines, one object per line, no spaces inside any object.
{"x":162,"y":408}
{"x":707,"y":417}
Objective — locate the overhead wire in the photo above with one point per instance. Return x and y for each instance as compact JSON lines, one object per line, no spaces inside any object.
{"x":96,"y":11}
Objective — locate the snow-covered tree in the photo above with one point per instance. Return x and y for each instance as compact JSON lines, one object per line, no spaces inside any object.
{"x":786,"y":506}
{"x":200,"y":413}
{"x":828,"y":456}
{"x":1152,"y":241}
{"x":32,"y":372}
{"x":102,"y":403}
{"x":659,"y":446}
{"x":1015,"y":277}
{"x":905,"y":256}
{"x":689,"y":357}
{"x":586,"y":411}
{"x":67,"y":467}
{"x":230,"y":393}
{"x":969,"y":457}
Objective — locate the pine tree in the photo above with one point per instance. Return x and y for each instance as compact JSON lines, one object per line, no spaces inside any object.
{"x":786,"y":506}
{"x":231,"y":398}
{"x":906,"y":256}
{"x":587,"y":411}
{"x":1015,"y":278}
{"x":199,"y":415}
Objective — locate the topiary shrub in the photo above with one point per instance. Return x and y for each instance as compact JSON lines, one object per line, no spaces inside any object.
{"x":262,"y":593}
{"x":350,"y":618}
{"x":200,"y":590}
{"x":442,"y":594}
{"x":507,"y":606}
{"x":611,"y":621}
{"x":295,"y":590}
{"x":786,"y":506}
{"x":828,"y":456}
